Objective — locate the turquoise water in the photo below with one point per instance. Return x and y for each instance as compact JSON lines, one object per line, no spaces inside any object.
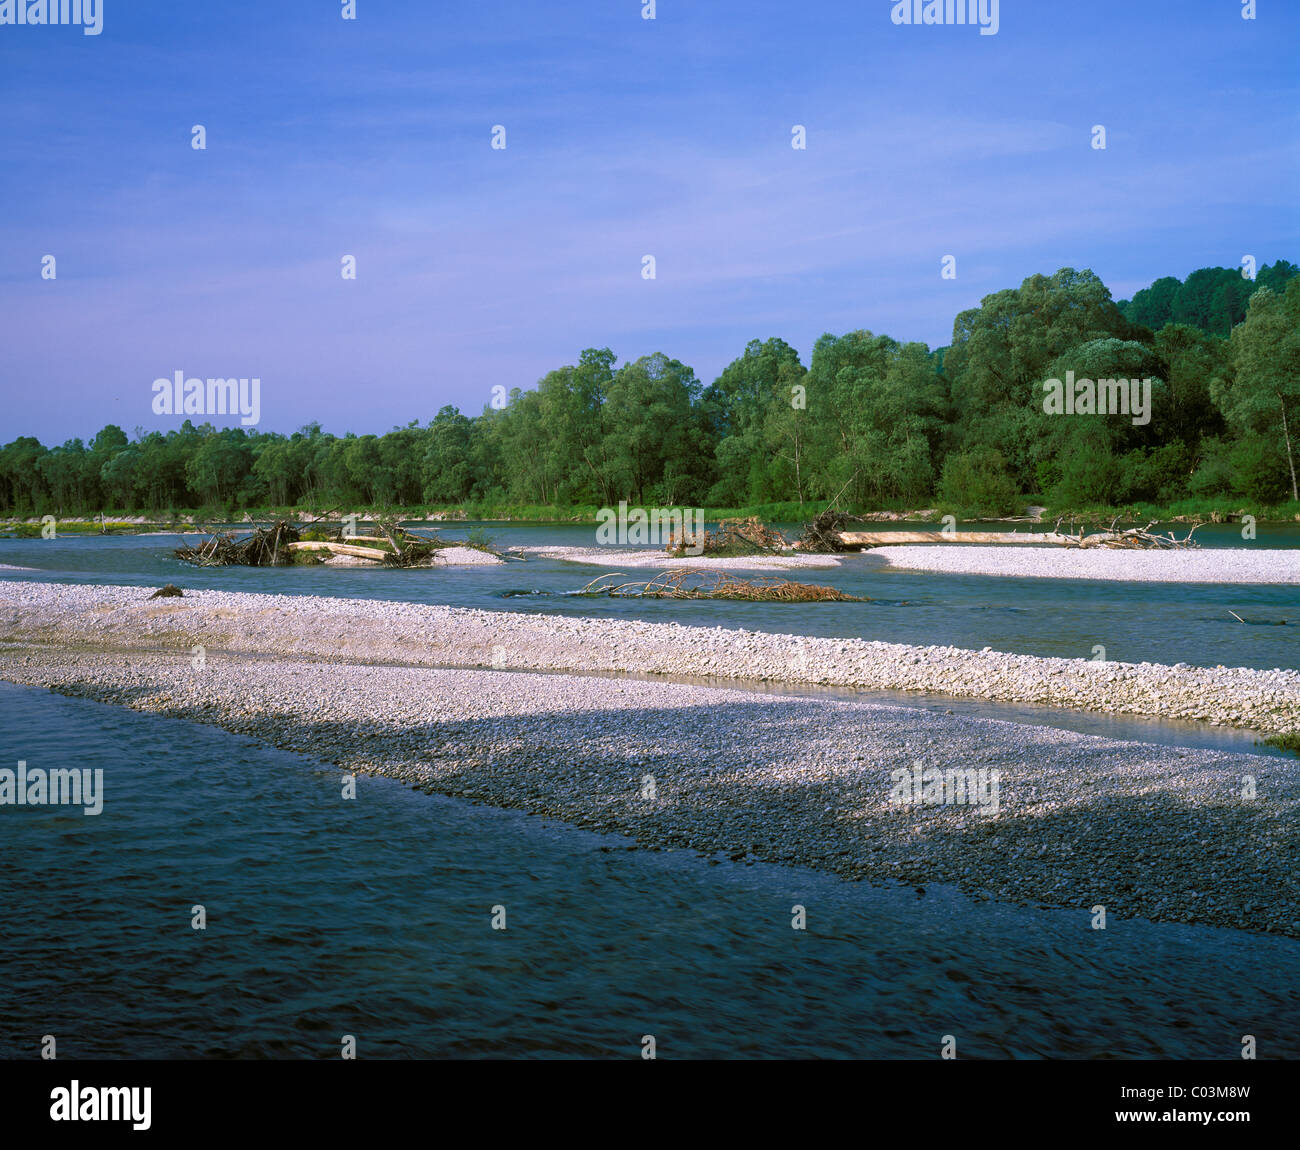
{"x":372,"y":918}
{"x":1135,"y":622}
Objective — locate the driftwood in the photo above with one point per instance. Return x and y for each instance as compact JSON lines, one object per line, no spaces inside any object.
{"x":1139,"y":539}
{"x":1132,"y":539}
{"x":822,"y":534}
{"x":276,"y":547}
{"x":1261,"y":622}
{"x":265,"y":547}
{"x":695,"y":584}
{"x":391,"y":532}
{"x":343,"y":549}
{"x":733,"y":537}
{"x":886,"y":538}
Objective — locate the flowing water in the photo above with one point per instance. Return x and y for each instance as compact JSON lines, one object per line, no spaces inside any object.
{"x":1135,"y":622}
{"x":372,"y":917}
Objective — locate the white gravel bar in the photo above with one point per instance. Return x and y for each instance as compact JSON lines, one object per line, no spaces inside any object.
{"x":1042,"y":561}
{"x":444,"y":557}
{"x":1157,"y":832}
{"x":465,"y":557}
{"x":381,"y":631}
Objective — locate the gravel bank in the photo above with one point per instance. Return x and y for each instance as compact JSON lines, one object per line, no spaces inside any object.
{"x":1214,"y":565}
{"x":465,"y":557}
{"x":369,"y":630}
{"x":445,"y":557}
{"x":1080,"y":821}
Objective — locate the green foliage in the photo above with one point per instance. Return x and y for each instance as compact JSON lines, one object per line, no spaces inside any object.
{"x":871,"y":423}
{"x":767,"y":512}
{"x":1159,"y":474}
{"x":1213,"y":300}
{"x":480,"y":540}
{"x":1263,"y":396}
{"x":1258,"y":468}
{"x":978,"y":479}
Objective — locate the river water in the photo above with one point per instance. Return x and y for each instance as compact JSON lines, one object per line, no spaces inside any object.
{"x":372,"y":917}
{"x":1135,"y":622}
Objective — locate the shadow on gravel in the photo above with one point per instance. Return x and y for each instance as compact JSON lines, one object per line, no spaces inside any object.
{"x":1138,"y":829}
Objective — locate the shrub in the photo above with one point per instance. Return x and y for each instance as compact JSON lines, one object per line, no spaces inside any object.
{"x":979,"y":479}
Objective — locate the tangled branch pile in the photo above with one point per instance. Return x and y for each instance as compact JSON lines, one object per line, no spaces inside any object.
{"x":394,"y":546}
{"x":821,"y":536}
{"x":1133,"y":539}
{"x":266,"y":547}
{"x":284,"y":544}
{"x":734,"y":537}
{"x":691,"y":584}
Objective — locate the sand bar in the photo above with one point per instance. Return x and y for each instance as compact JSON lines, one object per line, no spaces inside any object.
{"x":1210,"y":565}
{"x":1080,"y":821}
{"x":373,"y":630}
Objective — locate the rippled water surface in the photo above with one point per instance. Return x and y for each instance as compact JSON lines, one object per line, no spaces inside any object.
{"x":372,"y":918}
{"x":1135,"y":622}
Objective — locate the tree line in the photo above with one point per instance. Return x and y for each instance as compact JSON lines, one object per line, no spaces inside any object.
{"x":876,"y":422}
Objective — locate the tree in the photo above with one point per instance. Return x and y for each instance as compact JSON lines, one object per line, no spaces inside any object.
{"x":1265,"y":394}
{"x":446,"y":470}
{"x":979,"y":479}
{"x":750,"y":410}
{"x":1154,"y":306}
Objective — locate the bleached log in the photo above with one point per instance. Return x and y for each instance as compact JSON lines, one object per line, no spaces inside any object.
{"x":342,"y":549}
{"x":886,"y":538}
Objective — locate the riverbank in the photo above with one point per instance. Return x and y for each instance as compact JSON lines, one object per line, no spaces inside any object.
{"x":1187,"y":511}
{"x":1079,"y":821}
{"x":1217,"y":565}
{"x":381,"y":631}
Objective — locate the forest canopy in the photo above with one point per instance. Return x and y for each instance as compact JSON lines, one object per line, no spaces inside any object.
{"x":878,"y":422}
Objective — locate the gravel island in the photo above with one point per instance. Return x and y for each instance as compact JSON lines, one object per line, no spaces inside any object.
{"x":1146,"y":831}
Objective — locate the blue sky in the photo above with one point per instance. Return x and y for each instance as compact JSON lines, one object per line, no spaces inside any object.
{"x":625,"y":137}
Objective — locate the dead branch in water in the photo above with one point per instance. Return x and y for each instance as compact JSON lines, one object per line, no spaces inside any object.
{"x":696,"y":584}
{"x":373,"y":553}
{"x":1138,"y":539}
{"x":733,"y":537}
{"x":260,"y":549}
{"x":822,"y":534}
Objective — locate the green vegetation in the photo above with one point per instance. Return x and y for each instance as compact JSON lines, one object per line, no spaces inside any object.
{"x":1212,"y":299}
{"x":1288,"y":742}
{"x":84,"y":527}
{"x":871,"y":421}
{"x":478,"y":539}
